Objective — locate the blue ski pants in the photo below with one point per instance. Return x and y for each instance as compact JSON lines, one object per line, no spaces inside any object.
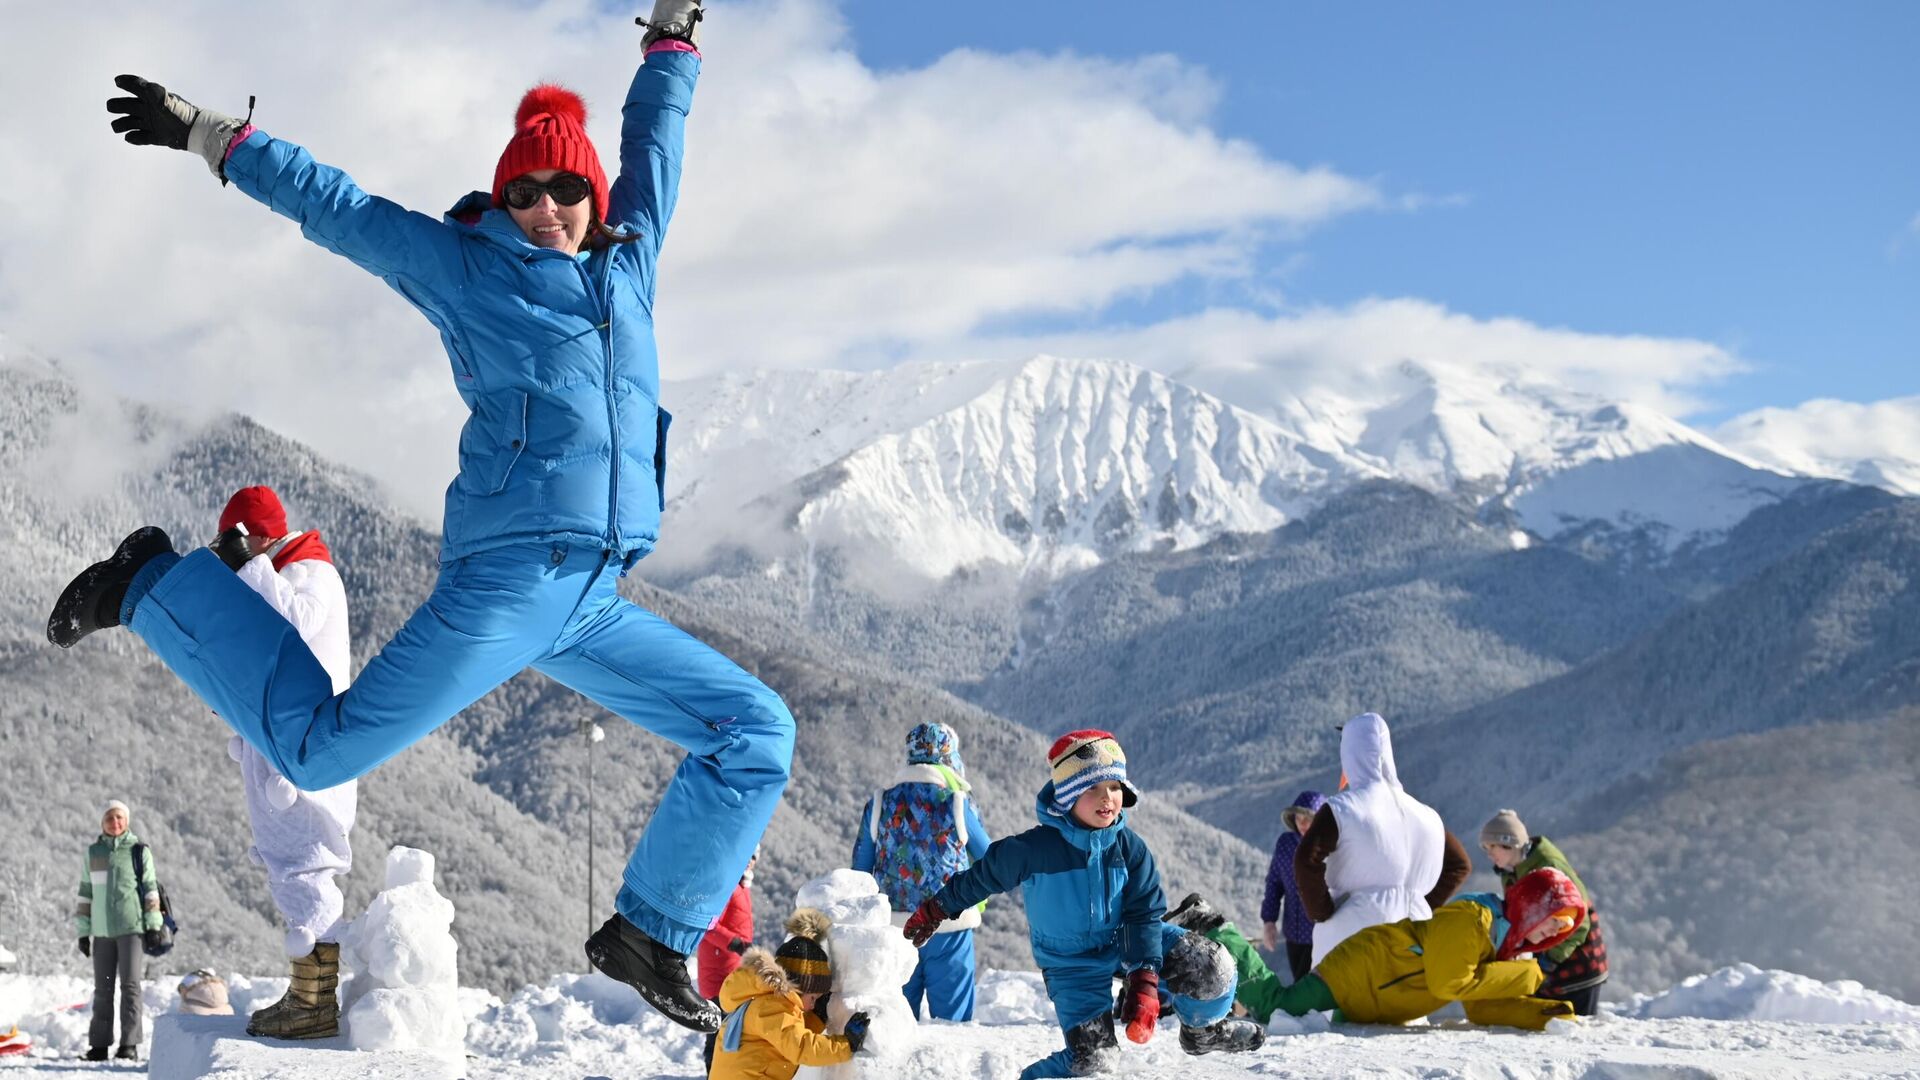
{"x":944,"y":977}
{"x":548,"y":606}
{"x":1080,"y":985}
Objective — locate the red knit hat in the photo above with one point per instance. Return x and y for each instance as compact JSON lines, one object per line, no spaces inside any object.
{"x":259,"y":509}
{"x":1533,"y":900}
{"x":550,"y":132}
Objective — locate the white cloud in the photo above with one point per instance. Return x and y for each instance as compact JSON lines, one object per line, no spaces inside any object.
{"x":1875,"y":443}
{"x":1267,"y":361}
{"x":830,"y":213}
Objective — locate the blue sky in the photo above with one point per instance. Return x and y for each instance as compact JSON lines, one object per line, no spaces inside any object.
{"x":1740,"y":173}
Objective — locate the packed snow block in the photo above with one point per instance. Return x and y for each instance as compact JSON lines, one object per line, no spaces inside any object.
{"x":871,"y":961}
{"x":405,"y":990}
{"x":193,"y":1046}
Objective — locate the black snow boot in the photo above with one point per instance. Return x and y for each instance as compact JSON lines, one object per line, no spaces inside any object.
{"x":1227,"y":1036}
{"x":623,"y":952}
{"x":1195,"y":914}
{"x":127,"y":1053}
{"x":1092,"y":1046}
{"x":92,"y":600}
{"x":95,"y":1053}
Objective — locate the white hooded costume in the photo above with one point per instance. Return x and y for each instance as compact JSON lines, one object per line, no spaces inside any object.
{"x":1391,"y":846}
{"x":300,"y":837}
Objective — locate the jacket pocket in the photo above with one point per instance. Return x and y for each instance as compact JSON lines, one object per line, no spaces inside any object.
{"x":496,"y":436}
{"x":663,"y":419}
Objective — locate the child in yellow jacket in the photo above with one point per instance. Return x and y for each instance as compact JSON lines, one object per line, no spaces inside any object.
{"x":773,"y":1004}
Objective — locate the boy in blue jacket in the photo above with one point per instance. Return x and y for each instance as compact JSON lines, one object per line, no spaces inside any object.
{"x":1093,"y":902}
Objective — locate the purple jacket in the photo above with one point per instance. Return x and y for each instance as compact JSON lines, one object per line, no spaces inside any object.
{"x":1298,"y":928}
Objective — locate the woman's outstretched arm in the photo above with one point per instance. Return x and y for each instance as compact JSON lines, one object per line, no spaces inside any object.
{"x":653,"y":125}
{"x":416,"y":254}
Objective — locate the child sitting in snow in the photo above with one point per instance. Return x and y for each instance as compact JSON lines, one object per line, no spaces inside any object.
{"x":1470,"y":951}
{"x":1093,"y":902}
{"x":773,"y":1003}
{"x":1575,"y":968}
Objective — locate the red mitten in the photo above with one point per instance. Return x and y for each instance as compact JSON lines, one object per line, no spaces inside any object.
{"x":1142,"y":1009}
{"x":924,"y":921}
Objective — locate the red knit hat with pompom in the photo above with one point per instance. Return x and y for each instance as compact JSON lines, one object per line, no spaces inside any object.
{"x":550,"y":132}
{"x":259,"y":509}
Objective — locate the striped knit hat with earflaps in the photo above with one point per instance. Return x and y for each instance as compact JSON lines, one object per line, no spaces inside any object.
{"x":1081,"y":759}
{"x":803,"y":957}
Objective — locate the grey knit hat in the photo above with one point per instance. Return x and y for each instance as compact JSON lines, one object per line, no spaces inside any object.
{"x":1505,"y":829}
{"x":115,"y":804}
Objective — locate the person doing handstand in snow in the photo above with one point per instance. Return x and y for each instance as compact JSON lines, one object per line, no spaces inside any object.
{"x":542,"y":290}
{"x":301,"y":838}
{"x":1093,"y":902}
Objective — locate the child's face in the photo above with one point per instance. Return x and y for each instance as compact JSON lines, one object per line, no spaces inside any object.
{"x":808,"y":1001}
{"x":1302,"y":821}
{"x":1099,"y":806}
{"x":1501,"y":856}
{"x":1553,"y":927}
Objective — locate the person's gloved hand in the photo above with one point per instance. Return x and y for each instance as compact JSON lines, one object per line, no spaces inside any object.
{"x":1141,"y":1010}
{"x":231,"y":546}
{"x":154,"y":939}
{"x":676,"y":19}
{"x":86,"y":947}
{"x":154,"y":117}
{"x":739,"y":946}
{"x":820,"y":1005}
{"x":857,"y":1030}
{"x":924,"y":921}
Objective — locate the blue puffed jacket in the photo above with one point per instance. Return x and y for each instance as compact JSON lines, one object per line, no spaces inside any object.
{"x":1086,"y":890}
{"x":554,"y":355}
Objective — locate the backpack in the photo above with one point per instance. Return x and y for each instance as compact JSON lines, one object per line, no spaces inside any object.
{"x":168,"y":926}
{"x":919,"y":833}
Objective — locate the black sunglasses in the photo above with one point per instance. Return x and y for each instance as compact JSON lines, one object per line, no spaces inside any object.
{"x":522,"y":192}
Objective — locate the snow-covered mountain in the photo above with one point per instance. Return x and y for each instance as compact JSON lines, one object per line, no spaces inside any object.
{"x":1053,"y":464}
{"x":1875,"y":444}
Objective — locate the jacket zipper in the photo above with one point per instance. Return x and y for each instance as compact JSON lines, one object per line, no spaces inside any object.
{"x":604,"y":299}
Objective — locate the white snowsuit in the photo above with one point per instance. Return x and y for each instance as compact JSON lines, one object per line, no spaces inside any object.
{"x":300,"y":837}
{"x":1391,"y":844}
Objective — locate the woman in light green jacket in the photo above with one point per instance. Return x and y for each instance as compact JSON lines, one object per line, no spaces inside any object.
{"x":118,"y":911}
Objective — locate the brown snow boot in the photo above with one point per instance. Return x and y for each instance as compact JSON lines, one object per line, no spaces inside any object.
{"x":310,"y":1009}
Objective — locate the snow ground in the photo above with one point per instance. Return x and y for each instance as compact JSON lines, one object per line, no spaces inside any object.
{"x":1738,"y":1022}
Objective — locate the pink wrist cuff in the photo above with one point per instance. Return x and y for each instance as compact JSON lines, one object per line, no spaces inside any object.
{"x":238,"y":138}
{"x":672,"y":45}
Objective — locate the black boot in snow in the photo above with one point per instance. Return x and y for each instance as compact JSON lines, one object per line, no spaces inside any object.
{"x":92,"y":600}
{"x":1227,"y":1036}
{"x":623,"y":952}
{"x":1195,"y":914}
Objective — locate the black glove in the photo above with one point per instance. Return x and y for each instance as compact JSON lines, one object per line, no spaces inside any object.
{"x":231,"y":546}
{"x":857,"y":1031}
{"x":739,"y":945}
{"x":820,"y":1005}
{"x":153,"y":117}
{"x":155,"y":939}
{"x":676,"y":19}
{"x":86,"y":947}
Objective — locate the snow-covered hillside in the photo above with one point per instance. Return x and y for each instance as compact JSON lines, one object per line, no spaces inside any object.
{"x":1739,"y":1022}
{"x":1053,"y":464}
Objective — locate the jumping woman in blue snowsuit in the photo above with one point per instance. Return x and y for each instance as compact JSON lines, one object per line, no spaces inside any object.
{"x":543,"y":295}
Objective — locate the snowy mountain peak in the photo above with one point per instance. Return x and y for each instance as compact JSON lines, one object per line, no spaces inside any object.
{"x":1046,"y":463}
{"x":1051,"y":463}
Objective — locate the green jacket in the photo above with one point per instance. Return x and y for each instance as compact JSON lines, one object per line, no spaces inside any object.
{"x":111,"y":903}
{"x":1541,"y":853}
